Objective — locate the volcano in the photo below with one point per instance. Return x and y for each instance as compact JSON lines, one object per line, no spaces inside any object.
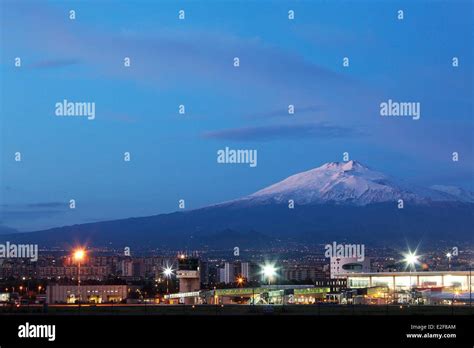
{"x":336,"y":201}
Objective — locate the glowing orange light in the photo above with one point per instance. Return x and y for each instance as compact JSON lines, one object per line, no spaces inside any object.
{"x":79,"y":254}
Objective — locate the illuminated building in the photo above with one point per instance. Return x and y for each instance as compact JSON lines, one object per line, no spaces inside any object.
{"x":421,"y":287}
{"x":232,"y":270}
{"x":406,"y":280}
{"x":189,"y":276}
{"x":88,"y":293}
{"x":266,"y":294}
{"x":341,"y":267}
{"x":303,"y":272}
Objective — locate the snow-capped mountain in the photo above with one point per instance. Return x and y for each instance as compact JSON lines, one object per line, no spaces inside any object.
{"x":460,"y":193}
{"x":347,"y":183}
{"x":332,"y":202}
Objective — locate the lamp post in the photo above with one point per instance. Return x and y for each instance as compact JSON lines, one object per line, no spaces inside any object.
{"x":449,"y":255}
{"x":168,"y":272}
{"x":79,"y":255}
{"x":411,"y":259}
{"x":269,"y":271}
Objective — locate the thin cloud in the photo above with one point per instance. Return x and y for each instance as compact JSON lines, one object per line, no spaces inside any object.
{"x":171,"y":55}
{"x":51,"y":64}
{"x":283,"y":112}
{"x":33,"y":205}
{"x":32,"y":210}
{"x":46,"y":205}
{"x":284,"y":131}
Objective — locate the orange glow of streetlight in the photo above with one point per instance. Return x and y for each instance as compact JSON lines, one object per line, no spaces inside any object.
{"x":79,"y":254}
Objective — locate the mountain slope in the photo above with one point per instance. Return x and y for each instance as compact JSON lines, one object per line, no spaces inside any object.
{"x":336,"y":201}
{"x":459,"y":193}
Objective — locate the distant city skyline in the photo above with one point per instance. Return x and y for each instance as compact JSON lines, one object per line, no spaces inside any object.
{"x":190,"y":62}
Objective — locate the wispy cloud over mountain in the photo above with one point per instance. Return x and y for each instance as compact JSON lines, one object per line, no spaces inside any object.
{"x":286,"y":131}
{"x":12,"y":212}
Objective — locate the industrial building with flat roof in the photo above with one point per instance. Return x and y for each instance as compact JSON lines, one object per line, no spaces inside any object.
{"x":88,"y":293}
{"x":457,"y":280}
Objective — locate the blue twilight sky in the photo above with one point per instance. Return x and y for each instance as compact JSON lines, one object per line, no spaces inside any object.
{"x":190,"y":62}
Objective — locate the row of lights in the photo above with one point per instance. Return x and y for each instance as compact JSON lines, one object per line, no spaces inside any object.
{"x":269,"y":270}
{"x":411,"y":259}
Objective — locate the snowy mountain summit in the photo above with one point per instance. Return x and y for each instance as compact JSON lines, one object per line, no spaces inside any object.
{"x":345,"y":183}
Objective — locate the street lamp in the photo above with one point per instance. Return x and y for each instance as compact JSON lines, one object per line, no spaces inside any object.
{"x":78,"y":256}
{"x":269,"y":271}
{"x":411,"y":260}
{"x":449,"y":255}
{"x":168,"y":272}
